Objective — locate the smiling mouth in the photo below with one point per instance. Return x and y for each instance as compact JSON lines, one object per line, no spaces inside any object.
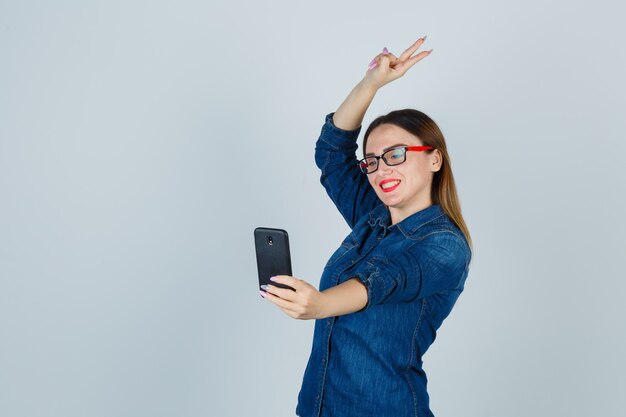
{"x":388,"y":186}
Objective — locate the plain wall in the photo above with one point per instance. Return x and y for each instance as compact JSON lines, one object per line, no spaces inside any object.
{"x":141,"y":143}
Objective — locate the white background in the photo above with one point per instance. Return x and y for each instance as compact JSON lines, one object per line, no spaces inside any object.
{"x":141,"y":143}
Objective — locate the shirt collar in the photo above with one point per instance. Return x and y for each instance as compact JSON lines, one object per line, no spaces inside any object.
{"x":380,"y":217}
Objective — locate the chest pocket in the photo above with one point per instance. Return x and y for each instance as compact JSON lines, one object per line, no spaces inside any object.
{"x":348,"y":243}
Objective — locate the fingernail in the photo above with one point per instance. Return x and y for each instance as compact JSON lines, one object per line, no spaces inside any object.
{"x":424,"y":37}
{"x":385,"y":50}
{"x":430,"y":51}
{"x":262,"y":294}
{"x":373,"y":65}
{"x":273,"y":279}
{"x":264,"y":287}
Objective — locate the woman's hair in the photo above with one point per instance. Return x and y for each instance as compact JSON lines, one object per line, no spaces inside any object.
{"x":443,"y":191}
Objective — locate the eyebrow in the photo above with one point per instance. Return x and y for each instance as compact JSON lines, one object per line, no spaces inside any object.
{"x":386,"y":149}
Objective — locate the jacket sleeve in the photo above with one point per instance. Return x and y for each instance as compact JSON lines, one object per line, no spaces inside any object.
{"x":436,"y":265}
{"x":345,"y":184}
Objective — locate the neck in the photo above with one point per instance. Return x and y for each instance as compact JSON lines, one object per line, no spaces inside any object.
{"x":400,"y":213}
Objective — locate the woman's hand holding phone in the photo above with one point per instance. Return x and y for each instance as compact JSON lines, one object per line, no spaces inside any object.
{"x":305,"y":303}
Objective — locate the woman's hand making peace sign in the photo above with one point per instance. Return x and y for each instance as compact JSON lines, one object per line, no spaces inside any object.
{"x":386,"y":67}
{"x":383,"y":69}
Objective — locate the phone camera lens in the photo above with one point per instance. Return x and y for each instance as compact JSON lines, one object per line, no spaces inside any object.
{"x":270,"y":240}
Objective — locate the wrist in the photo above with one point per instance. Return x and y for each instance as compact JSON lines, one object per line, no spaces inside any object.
{"x":368,"y":87}
{"x":323,"y":309}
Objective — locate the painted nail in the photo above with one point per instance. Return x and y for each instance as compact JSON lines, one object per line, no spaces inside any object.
{"x":430,"y":52}
{"x":385,"y":50}
{"x":262,"y":294}
{"x":264,"y":287}
{"x":373,"y":65}
{"x":273,"y":279}
{"x":424,"y":37}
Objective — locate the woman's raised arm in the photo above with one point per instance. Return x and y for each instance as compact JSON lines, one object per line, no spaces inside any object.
{"x":348,"y":188}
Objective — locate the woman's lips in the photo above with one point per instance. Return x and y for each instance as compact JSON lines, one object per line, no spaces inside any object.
{"x":389,"y":185}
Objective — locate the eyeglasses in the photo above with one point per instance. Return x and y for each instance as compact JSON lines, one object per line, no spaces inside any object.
{"x":394,"y":156}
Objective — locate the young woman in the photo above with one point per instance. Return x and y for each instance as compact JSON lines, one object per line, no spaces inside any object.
{"x":395,"y":278}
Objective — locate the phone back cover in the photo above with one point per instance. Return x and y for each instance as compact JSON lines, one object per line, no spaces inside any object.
{"x":272,"y":258}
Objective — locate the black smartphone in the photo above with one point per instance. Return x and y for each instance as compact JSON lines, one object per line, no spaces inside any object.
{"x":272,"y":255}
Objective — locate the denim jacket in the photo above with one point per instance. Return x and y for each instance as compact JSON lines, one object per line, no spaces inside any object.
{"x":369,"y":363}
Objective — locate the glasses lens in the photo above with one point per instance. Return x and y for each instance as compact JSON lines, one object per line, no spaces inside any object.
{"x":368,"y":165}
{"x":395,"y":156}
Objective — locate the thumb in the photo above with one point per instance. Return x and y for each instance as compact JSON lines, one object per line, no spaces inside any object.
{"x":385,"y":61}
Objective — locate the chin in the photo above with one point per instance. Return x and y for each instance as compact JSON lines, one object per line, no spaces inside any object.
{"x":391,"y":201}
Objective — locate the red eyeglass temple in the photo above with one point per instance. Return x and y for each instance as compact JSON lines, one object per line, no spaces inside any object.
{"x":418,"y":148}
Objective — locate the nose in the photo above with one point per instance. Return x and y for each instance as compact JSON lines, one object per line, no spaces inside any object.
{"x":384,"y":169}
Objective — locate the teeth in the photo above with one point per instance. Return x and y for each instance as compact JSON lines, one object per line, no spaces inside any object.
{"x":390,"y":184}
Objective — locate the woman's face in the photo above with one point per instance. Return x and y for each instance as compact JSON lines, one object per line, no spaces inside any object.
{"x":404,"y":188}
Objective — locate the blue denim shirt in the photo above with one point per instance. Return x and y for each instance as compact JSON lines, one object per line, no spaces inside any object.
{"x":369,"y":363}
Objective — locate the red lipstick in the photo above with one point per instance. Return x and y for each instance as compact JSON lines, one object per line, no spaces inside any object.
{"x":390,"y":189}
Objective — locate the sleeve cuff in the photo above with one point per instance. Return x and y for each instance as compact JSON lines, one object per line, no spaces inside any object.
{"x":336,"y":137}
{"x":375,"y":287}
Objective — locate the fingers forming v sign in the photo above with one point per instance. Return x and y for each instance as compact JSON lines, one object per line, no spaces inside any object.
{"x":386,"y":67}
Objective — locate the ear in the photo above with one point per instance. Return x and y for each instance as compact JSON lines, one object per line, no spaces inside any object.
{"x":436,"y":160}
